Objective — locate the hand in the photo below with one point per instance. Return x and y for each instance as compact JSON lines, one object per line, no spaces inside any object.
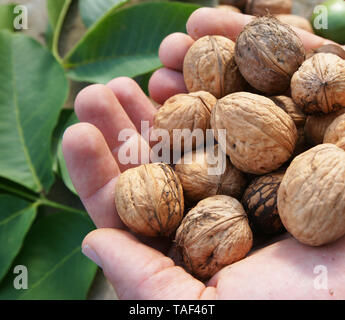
{"x":282,"y":270}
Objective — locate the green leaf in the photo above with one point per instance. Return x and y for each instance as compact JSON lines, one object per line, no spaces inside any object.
{"x":16,"y":217}
{"x":52,"y":254}
{"x":126,"y":42}
{"x":33,"y":88}
{"x":57,"y":10}
{"x":92,"y":10}
{"x":7,"y":16}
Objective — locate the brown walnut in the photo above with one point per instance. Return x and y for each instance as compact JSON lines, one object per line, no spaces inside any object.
{"x":316,"y":126}
{"x":213,"y":235}
{"x":319,"y":84}
{"x":328,"y":48}
{"x":268,"y":52}
{"x":185,"y":111}
{"x":260,"y":203}
{"x":210,"y":65}
{"x":260,"y":136}
{"x":200,"y":178}
{"x":237,"y":3}
{"x":149,"y":199}
{"x":311,"y":196}
{"x":264,"y":7}
{"x":295,"y":21}
{"x":335,"y":133}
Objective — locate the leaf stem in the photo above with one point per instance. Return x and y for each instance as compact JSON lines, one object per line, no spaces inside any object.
{"x":56,"y":205}
{"x":20,"y":193}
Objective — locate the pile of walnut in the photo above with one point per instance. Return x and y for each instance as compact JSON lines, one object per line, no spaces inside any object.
{"x":284,"y":168}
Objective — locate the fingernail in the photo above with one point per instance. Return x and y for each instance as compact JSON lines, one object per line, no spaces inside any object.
{"x":92,"y":255}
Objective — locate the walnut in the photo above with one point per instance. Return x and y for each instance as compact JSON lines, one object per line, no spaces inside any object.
{"x":268,"y":52}
{"x":213,"y":235}
{"x":237,"y":3}
{"x":295,"y":21}
{"x":210,"y":65}
{"x":229,"y":8}
{"x":201,"y":177}
{"x":335,"y":133}
{"x":185,"y":111}
{"x":260,"y":203}
{"x":328,"y":48}
{"x":316,"y":126}
{"x":149,"y":199}
{"x":311,"y":196}
{"x":263,"y":7}
{"x":260,"y":136}
{"x":319,"y":84}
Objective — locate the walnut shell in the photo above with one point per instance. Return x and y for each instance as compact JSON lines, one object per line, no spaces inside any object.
{"x":264,"y":7}
{"x":268,"y":52}
{"x":319,"y":84}
{"x":295,"y":21}
{"x":210,"y":65}
{"x":260,"y":136}
{"x":229,"y":8}
{"x":311,"y":196}
{"x":260,"y":203}
{"x":237,"y":3}
{"x":213,"y":235}
{"x":199,"y":181}
{"x":328,"y":48}
{"x":185,"y":111}
{"x":316,"y":126}
{"x":335,"y":133}
{"x":149,"y":199}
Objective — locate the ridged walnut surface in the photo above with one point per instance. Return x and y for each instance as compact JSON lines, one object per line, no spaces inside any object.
{"x":149,"y":199}
{"x":295,"y":21}
{"x":263,"y":7}
{"x":319,"y":84}
{"x":260,"y":136}
{"x":335,"y":133}
{"x":213,"y":235}
{"x":210,"y":65}
{"x":185,"y":111}
{"x":311,"y":196}
{"x":268,"y":52}
{"x":260,"y":203}
{"x":198,"y":183}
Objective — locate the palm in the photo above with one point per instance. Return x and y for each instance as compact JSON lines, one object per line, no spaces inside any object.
{"x":136,"y":270}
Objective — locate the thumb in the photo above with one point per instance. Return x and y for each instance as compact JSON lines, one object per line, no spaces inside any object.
{"x":137,"y":271}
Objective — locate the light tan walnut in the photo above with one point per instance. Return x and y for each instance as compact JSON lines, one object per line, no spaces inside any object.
{"x":264,"y":7}
{"x":185,"y":111}
{"x":311,"y":196}
{"x":210,"y":65}
{"x":296,"y":21}
{"x":319,"y":84}
{"x":335,"y":133}
{"x":316,"y":126}
{"x":268,"y":52}
{"x":260,"y":136}
{"x":213,"y":235}
{"x":208,"y":173}
{"x":149,"y":199}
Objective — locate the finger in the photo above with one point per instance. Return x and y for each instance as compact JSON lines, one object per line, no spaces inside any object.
{"x":96,"y":104}
{"x":211,"y":21}
{"x":93,"y":172}
{"x":173,"y":50}
{"x":137,"y":271}
{"x":165,"y":83}
{"x":133,"y":100}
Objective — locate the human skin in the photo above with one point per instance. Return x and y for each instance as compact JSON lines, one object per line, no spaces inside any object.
{"x":139,"y":268}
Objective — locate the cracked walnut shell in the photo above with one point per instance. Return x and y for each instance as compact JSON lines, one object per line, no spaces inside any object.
{"x":260,"y":136}
{"x":335,"y":133}
{"x":209,"y":65}
{"x":213,"y":235}
{"x":202,"y":177}
{"x":268,"y":53}
{"x":185,"y":111}
{"x":149,"y":199}
{"x":311,"y":196}
{"x":319,"y":84}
